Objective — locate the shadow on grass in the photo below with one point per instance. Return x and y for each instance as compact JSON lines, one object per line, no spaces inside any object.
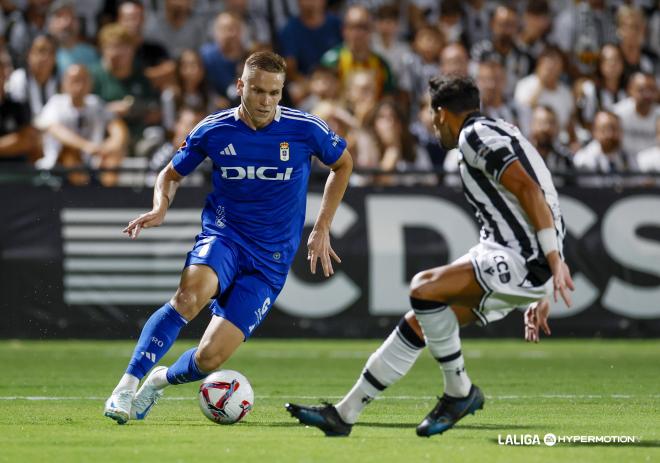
{"x":482,"y":427}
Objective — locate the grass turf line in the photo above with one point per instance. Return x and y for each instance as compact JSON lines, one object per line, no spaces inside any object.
{"x":591,"y":387}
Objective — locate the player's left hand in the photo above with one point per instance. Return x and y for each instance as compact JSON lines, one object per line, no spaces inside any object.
{"x":561,"y":278}
{"x":536,"y":319}
{"x":149,"y":219}
{"x":318,"y":247}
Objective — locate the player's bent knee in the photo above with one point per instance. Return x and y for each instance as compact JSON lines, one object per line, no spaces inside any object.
{"x":422,"y":287}
{"x":207,"y":360}
{"x":423,"y":291}
{"x":188,"y":303}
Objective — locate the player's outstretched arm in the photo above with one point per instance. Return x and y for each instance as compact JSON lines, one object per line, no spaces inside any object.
{"x":166,"y":185}
{"x":318,"y":244}
{"x":517,"y":181}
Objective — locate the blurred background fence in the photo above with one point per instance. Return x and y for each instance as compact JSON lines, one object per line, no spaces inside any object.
{"x":67,"y":271}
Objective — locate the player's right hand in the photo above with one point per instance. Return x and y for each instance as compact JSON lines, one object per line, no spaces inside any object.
{"x":149,"y":219}
{"x":319,"y":248}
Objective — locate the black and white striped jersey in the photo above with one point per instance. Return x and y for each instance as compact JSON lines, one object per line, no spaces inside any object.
{"x":487,"y":147}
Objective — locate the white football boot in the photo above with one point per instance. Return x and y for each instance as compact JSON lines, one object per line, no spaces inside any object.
{"x":146,"y":397}
{"x":118,"y":406}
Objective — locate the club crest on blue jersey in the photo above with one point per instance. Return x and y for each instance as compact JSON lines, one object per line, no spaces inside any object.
{"x":284,"y":151}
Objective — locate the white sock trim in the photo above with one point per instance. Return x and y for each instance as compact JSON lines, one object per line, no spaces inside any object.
{"x":127,"y":383}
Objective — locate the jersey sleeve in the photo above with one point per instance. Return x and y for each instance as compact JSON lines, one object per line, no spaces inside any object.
{"x":327,"y":145}
{"x":189,"y":155}
{"x":484,"y":149}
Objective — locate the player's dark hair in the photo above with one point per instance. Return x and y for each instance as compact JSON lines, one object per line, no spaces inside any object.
{"x":455,"y":93}
{"x":266,"y":61}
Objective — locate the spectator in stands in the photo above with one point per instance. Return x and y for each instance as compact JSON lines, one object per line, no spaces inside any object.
{"x":423,"y":132}
{"x":422,"y":64}
{"x":80,"y":131}
{"x":361,"y":96}
{"x":653,"y":39}
{"x":544,"y":135}
{"x":275,"y":15}
{"x":151,"y":56}
{"x":5,"y":61}
{"x":186,"y":120}
{"x":545,"y":87}
{"x":477,"y":16}
{"x":359,"y":141}
{"x":304,"y":40}
{"x":387,"y":40}
{"x":581,"y":31}
{"x":37,"y":82}
{"x":121,"y":82}
{"x":450,"y":22}
{"x":491,"y":81}
{"x":396,"y":146}
{"x":191,"y":90}
{"x":605,"y":153}
{"x":454,"y":59}
{"x":648,"y":160}
{"x":631,"y":30}
{"x":223,"y":56}
{"x":64,"y":25}
{"x":92,"y":14}
{"x":502,"y":46}
{"x":536,"y":26}
{"x":18,"y":140}
{"x":22,"y":26}
{"x":638,"y":113}
{"x":355,"y":54}
{"x":175,"y":27}
{"x":323,"y":86}
{"x":413,"y":14}
{"x":603,"y":91}
{"x":256,"y":31}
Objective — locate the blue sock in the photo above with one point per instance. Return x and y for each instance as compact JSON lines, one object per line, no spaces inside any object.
{"x":185,"y":369}
{"x":158,"y":335}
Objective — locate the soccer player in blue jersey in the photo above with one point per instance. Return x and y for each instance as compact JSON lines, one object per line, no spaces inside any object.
{"x":251,"y":227}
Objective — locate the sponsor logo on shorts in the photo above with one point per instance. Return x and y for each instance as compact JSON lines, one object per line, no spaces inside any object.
{"x":261,"y":312}
{"x":502,"y":268}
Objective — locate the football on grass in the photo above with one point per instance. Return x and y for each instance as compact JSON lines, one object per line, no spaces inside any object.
{"x":225,"y":397}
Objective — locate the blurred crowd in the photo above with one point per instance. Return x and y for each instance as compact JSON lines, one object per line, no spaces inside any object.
{"x":106,"y":84}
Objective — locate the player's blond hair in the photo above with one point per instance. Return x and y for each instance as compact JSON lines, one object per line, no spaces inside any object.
{"x":266,"y":61}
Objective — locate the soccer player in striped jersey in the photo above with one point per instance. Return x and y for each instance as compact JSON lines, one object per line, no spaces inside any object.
{"x":251,"y":227}
{"x":518,"y":262}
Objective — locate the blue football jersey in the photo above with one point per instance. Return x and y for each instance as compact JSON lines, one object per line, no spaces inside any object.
{"x":259,"y":177}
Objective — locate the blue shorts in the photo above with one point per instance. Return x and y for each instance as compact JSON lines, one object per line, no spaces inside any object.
{"x":245,"y":292}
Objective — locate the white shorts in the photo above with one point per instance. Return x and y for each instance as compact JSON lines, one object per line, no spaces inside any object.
{"x":507,"y":279}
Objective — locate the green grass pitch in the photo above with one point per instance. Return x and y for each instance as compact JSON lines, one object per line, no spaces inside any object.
{"x":52,"y":394}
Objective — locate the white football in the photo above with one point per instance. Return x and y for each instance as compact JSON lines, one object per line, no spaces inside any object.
{"x":225,"y":397}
